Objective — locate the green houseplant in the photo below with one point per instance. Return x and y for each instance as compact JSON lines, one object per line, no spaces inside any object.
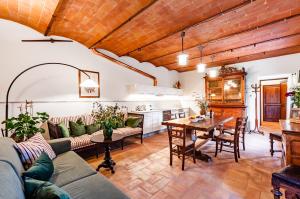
{"x":109,"y":117}
{"x":295,"y":94}
{"x":25,"y":125}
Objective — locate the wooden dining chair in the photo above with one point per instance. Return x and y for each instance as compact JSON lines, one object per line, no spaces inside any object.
{"x":231,"y":141}
{"x":242,"y":135}
{"x":181,"y":115}
{"x":180,"y":144}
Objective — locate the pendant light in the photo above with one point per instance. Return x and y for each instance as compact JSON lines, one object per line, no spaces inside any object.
{"x":201,"y":66}
{"x":182,"y":57}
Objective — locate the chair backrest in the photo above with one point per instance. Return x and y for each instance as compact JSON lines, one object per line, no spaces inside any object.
{"x":177,"y":131}
{"x":181,"y":115}
{"x":240,"y":127}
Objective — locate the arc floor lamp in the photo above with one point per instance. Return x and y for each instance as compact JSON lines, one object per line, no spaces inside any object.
{"x":88,"y":83}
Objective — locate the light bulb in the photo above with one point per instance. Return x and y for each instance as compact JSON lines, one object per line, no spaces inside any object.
{"x":182,"y":59}
{"x":201,"y":67}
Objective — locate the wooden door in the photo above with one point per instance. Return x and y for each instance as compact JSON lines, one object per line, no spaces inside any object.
{"x":271,"y":103}
{"x":283,"y":90}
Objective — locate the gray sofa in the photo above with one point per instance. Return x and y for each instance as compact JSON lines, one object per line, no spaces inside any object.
{"x":71,"y":173}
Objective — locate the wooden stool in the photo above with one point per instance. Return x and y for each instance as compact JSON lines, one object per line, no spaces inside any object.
{"x":275,"y":136}
{"x":289,"y":179}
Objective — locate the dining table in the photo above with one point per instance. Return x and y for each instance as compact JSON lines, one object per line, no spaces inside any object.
{"x":205,"y":124}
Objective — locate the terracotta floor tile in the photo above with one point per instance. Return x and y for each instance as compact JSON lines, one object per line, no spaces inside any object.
{"x":143,"y":171}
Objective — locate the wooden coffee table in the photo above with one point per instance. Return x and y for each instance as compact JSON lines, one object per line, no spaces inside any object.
{"x":99,"y":140}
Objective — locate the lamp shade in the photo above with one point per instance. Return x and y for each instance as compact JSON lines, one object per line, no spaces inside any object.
{"x":89,"y":83}
{"x":201,"y":68}
{"x":182,"y":59}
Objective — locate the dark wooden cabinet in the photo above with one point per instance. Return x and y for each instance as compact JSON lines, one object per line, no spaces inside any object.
{"x":226,"y":93}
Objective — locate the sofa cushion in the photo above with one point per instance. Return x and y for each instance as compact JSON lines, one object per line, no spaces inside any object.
{"x":42,"y":169}
{"x":82,"y":141}
{"x":69,"y":167}
{"x":54,"y":130}
{"x":133,"y":121}
{"x":11,"y":185}
{"x":64,"y":130}
{"x":37,"y":189}
{"x":94,"y":187}
{"x":92,"y":128}
{"x":77,"y":129}
{"x":32,"y":148}
{"x":127,"y":131}
{"x":9,"y":154}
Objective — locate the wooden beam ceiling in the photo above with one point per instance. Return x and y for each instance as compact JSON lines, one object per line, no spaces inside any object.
{"x":149,"y":30}
{"x":58,"y":6}
{"x":251,"y":57}
{"x":32,"y":13}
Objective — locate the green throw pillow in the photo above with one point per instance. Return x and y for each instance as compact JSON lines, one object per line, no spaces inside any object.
{"x":80,"y":121}
{"x":77,"y":129}
{"x":133,"y":122}
{"x":42,"y":169}
{"x":92,"y":128}
{"x":37,"y":189}
{"x":121,"y":124}
{"x":64,"y":130}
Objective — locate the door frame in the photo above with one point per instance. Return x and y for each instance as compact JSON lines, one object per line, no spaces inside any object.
{"x":260,"y":94}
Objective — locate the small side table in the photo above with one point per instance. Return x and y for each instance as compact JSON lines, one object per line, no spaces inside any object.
{"x":99,"y":140}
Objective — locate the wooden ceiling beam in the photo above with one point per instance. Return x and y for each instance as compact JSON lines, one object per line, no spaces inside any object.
{"x":125,"y":22}
{"x":252,"y":57}
{"x":58,"y":6}
{"x":240,"y":47}
{"x":232,"y":9}
{"x":225,"y":37}
{"x":154,"y":79}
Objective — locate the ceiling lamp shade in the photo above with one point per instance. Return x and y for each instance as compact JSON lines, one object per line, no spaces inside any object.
{"x":201,"y":66}
{"x":213,"y":73}
{"x":89,"y":83}
{"x":182,"y":57}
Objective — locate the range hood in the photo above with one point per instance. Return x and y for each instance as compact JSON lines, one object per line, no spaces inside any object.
{"x":153,"y":90}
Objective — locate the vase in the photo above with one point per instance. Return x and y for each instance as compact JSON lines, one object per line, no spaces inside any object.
{"x":107,"y":133}
{"x":202,"y":112}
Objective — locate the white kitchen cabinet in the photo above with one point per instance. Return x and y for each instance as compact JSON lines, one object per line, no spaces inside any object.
{"x":153,"y":120}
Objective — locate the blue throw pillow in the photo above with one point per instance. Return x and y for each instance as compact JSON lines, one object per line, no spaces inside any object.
{"x":37,"y":189}
{"x":42,"y":169}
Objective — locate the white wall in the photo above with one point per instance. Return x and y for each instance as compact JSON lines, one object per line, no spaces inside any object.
{"x":277,"y":67}
{"x":55,"y":88}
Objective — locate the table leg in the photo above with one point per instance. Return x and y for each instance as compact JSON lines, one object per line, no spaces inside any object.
{"x":108,"y":162}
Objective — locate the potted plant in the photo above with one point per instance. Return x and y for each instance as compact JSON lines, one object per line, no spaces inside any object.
{"x":295,"y":94}
{"x":25,"y":125}
{"x":109,"y":117}
{"x":203,"y":105}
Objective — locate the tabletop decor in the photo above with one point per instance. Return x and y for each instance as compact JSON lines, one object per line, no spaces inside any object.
{"x":202,"y":104}
{"x":25,"y":125}
{"x":109,"y":117}
{"x":295,"y":110}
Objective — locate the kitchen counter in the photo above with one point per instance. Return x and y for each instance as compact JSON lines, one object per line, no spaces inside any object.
{"x":154,"y":118}
{"x":158,"y":110}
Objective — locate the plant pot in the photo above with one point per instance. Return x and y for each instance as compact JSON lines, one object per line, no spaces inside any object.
{"x":202,"y":112}
{"x":107,"y":133}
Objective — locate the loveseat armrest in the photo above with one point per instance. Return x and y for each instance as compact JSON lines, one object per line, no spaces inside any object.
{"x":60,"y":145}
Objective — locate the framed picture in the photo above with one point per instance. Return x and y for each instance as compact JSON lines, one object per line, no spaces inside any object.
{"x":89,"y":92}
